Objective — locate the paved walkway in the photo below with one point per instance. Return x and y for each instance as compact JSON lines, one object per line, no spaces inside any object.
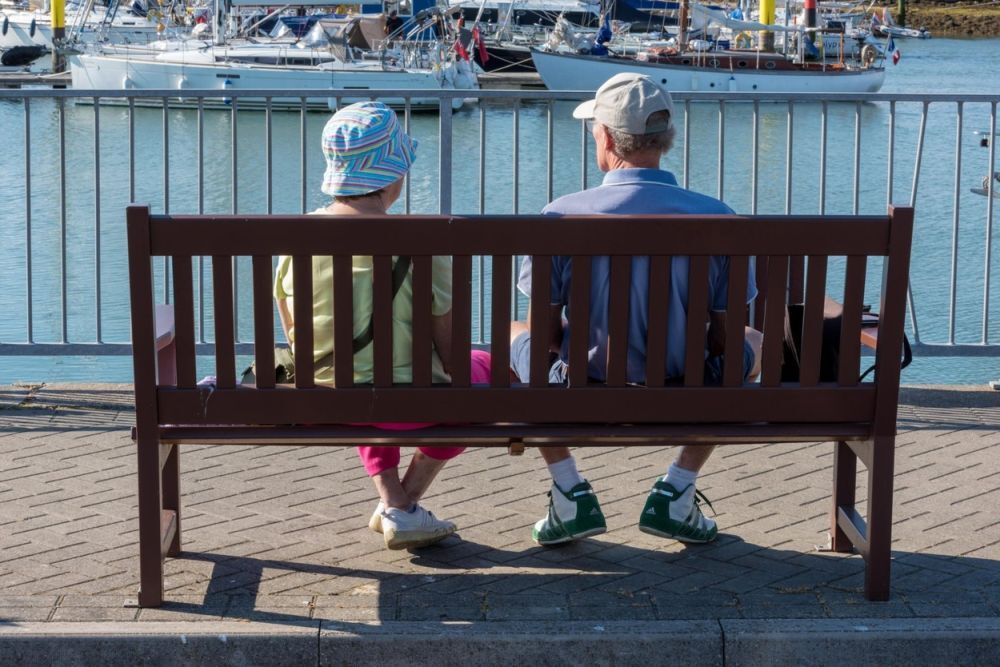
{"x":278,"y":535}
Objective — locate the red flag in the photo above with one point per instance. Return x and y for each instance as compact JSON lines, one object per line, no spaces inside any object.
{"x":460,"y":50}
{"x":484,"y":57}
{"x":896,"y":55}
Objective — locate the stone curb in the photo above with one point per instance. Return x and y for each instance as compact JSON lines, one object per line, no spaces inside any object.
{"x":914,"y":641}
{"x":951,"y":641}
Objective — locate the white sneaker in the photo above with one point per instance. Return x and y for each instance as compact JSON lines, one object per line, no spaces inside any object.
{"x":375,"y":523}
{"x":417,"y":528}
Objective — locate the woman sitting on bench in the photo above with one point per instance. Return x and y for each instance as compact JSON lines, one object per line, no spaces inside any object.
{"x":367,"y":156}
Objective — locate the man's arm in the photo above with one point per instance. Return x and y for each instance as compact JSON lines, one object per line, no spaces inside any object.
{"x":555,"y":326}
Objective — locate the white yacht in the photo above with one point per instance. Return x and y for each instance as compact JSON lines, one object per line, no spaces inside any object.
{"x":334,"y":55}
{"x":22,"y":25}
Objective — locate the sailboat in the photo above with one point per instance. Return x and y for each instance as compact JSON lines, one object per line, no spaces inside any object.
{"x":88,"y":22}
{"x":991,"y":182}
{"x":694,"y":65}
{"x":337,"y":53}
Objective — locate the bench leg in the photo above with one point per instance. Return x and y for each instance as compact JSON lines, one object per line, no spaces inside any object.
{"x":880,"y":478}
{"x":172,"y":494}
{"x":845,"y":472}
{"x":150,"y":518}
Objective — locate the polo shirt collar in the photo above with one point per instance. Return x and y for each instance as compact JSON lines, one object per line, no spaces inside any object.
{"x":624,"y":176}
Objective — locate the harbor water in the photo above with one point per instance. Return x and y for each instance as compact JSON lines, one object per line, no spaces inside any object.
{"x":94,"y":247}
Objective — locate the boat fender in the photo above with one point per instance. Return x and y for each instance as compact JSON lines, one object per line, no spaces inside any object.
{"x":6,"y":25}
{"x":868,"y":55}
{"x":464,"y":78}
{"x":744,"y":40}
{"x":31,"y":28}
{"x":126,"y":82}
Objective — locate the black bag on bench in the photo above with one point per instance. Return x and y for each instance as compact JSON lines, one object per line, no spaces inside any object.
{"x":829,"y":361}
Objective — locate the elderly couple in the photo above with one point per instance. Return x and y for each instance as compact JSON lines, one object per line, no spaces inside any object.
{"x":631,"y":119}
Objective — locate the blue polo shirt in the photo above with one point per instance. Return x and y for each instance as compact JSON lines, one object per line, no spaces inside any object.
{"x":635,"y":191}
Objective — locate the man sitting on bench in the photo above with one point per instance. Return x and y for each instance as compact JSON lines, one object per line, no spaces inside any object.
{"x":630,"y":119}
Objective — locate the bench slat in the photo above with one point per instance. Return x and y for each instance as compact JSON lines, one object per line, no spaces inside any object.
{"x":618,"y":307}
{"x":774,"y":320}
{"x":343,"y":321}
{"x":739,"y":267}
{"x":382,"y":320}
{"x":263,"y":322}
{"x":697,"y":319}
{"x":284,"y":405}
{"x":796,"y":278}
{"x":501,"y":435}
{"x":539,"y":317}
{"x":302,"y":291}
{"x":759,"y":307}
{"x":222,"y":293}
{"x":579,"y":306}
{"x":812,"y":321}
{"x":461,"y":322}
{"x":184,"y":321}
{"x":522,"y":235}
{"x":423,"y":267}
{"x":659,"y":312}
{"x":850,"y":327}
{"x":500,"y":321}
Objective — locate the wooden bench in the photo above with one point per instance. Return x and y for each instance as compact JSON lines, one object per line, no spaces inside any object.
{"x":859,"y":417}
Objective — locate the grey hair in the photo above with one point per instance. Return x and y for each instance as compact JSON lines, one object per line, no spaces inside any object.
{"x":629,"y":144}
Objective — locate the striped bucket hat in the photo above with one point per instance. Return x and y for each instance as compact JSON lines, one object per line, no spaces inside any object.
{"x":366,"y":150}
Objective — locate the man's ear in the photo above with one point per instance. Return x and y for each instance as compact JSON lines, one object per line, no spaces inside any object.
{"x":609,"y":142}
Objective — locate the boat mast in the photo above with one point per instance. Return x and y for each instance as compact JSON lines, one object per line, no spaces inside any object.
{"x":682,"y":19}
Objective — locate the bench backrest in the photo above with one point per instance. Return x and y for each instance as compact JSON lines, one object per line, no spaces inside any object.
{"x":779,"y":239}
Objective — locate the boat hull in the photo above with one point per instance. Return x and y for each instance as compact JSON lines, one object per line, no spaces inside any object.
{"x":35,"y":29}
{"x":102,"y":72}
{"x":578,"y":72}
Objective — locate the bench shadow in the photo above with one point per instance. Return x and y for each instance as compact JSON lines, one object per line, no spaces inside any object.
{"x":596,"y":579}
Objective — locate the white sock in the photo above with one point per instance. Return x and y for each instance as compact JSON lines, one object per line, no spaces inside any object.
{"x":679,"y":478}
{"x":565,"y":474}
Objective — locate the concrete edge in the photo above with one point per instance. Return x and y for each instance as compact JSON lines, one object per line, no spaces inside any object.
{"x":911,"y":641}
{"x":952,"y":641}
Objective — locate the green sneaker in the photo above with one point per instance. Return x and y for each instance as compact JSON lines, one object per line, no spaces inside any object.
{"x":572,"y":515}
{"x":677,"y":514}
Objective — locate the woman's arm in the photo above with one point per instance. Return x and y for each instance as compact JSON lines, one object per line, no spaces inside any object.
{"x":441,"y":335}
{"x":285,"y":316}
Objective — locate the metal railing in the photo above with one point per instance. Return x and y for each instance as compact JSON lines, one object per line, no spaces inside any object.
{"x":773,"y":154}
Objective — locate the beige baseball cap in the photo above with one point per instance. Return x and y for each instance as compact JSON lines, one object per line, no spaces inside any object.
{"x":625,"y":101}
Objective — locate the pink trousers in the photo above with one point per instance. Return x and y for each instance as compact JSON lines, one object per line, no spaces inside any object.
{"x":380,"y":459}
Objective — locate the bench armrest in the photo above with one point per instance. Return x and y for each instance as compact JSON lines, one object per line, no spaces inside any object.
{"x":869,"y":337}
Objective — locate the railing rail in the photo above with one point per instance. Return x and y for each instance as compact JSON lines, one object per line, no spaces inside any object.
{"x":741,"y":126}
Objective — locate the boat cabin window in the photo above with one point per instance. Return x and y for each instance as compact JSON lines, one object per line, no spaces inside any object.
{"x":401,"y":7}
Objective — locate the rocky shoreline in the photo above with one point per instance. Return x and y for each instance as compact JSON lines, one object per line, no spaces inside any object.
{"x":969,"y":18}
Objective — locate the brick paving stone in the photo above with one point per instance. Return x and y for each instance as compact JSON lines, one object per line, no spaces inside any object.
{"x":24,"y":614}
{"x":94,"y":614}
